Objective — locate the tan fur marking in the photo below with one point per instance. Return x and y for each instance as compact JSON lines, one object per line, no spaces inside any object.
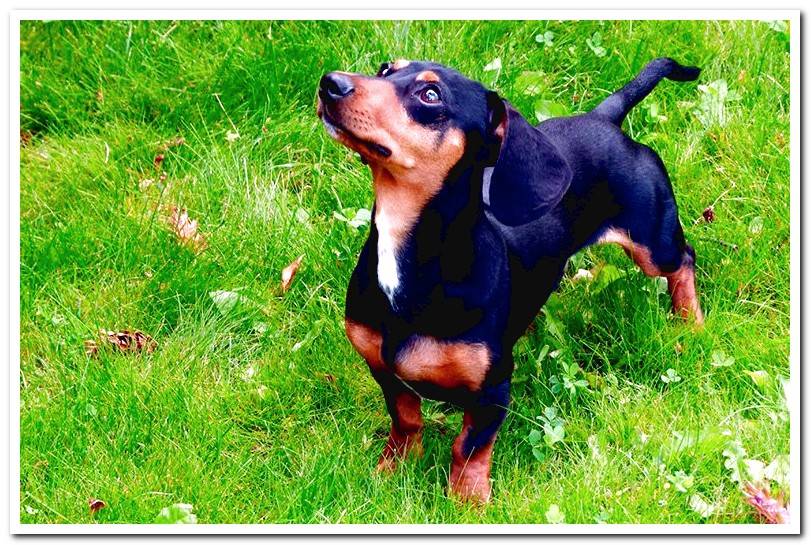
{"x":403,"y":193}
{"x":681,"y":283}
{"x":640,"y":254}
{"x":682,"y":287}
{"x":501,"y":129}
{"x":448,"y":365}
{"x":428,"y":75}
{"x":367,"y":342}
{"x":420,"y":159}
{"x":470,"y":476}
{"x":400,"y":63}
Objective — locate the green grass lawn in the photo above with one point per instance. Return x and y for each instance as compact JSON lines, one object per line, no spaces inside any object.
{"x":253,"y":407}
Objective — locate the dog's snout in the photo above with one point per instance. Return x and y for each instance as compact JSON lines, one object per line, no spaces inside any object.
{"x":336,"y":86}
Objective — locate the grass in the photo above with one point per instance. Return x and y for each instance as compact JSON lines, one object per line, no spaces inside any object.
{"x":263,"y":413}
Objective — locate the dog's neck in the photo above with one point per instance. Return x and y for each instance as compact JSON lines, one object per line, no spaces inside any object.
{"x":398,"y":207}
{"x":415,"y":223}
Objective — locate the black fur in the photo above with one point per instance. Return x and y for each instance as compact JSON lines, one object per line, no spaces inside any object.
{"x":483,"y":258}
{"x":617,"y":105}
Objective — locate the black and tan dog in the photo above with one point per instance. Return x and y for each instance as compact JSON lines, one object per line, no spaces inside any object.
{"x":476,"y":213}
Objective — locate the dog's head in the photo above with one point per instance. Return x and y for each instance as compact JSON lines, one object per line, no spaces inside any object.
{"x":416,"y":121}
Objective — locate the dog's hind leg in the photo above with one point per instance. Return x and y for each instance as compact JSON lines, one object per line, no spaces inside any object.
{"x":682,"y":287}
{"x":650,"y":233}
{"x":677,"y":267}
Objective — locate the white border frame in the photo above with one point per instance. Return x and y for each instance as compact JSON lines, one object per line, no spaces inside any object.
{"x":398,"y":529}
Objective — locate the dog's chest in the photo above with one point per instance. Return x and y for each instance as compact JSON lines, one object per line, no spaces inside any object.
{"x":424,"y":360}
{"x":454,"y":364}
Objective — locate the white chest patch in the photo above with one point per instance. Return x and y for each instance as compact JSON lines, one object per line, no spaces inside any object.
{"x":388,"y":276}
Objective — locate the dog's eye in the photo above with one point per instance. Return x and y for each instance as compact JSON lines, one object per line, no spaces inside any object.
{"x":430,"y":95}
{"x":384,"y":70}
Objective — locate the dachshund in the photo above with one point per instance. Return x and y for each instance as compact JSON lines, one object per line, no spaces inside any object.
{"x":475,"y":216}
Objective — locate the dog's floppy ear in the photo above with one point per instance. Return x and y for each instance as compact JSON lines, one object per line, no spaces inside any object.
{"x":529,"y":176}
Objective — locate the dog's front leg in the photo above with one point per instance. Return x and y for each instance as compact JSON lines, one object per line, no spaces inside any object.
{"x":406,"y":420}
{"x":473,"y":448}
{"x":402,"y":403}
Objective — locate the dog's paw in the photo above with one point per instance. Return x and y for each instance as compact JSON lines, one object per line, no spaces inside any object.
{"x":473,"y":489}
{"x":386,"y":465}
{"x":396,"y":450}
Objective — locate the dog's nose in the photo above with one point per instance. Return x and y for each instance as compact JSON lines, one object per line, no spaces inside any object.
{"x":336,"y":86}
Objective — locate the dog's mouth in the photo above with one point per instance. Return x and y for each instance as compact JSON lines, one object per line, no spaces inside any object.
{"x":348,"y":138}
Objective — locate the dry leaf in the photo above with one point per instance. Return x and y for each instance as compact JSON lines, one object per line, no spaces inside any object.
{"x":582,"y":274}
{"x":25,"y":137}
{"x":158,"y":160}
{"x":91,"y":348}
{"x":129,"y":341}
{"x":100,"y":96}
{"x":96,"y":505}
{"x":145,"y":183}
{"x":289,"y":273}
{"x":174,"y":142}
{"x":186,"y":229}
{"x":771,"y":510}
{"x":779,"y":139}
{"x":231,"y":136}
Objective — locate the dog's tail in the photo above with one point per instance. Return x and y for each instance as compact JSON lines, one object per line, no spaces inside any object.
{"x":617,"y":105}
